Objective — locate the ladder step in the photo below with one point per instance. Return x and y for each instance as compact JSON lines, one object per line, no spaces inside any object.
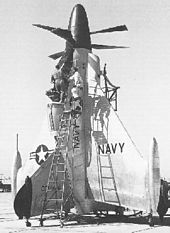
{"x":97,"y":119}
{"x":55,"y":199}
{"x":60,"y":190}
{"x":67,"y":111}
{"x":58,"y":137}
{"x":106,"y":177}
{"x":61,"y":163}
{"x":106,"y":167}
{"x":60,"y":171}
{"x":62,"y":119}
{"x":109,"y":189}
{"x":63,"y":128}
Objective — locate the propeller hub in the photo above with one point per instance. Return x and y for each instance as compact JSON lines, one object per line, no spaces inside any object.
{"x":78,"y":25}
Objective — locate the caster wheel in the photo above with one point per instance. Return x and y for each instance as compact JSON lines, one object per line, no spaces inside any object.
{"x":78,"y":221}
{"x":28,"y":224}
{"x":41,"y":222}
{"x":151,"y":222}
{"x":61,"y":224}
{"x":161,"y":218}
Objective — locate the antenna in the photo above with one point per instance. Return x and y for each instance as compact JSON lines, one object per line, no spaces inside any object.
{"x":17,"y":142}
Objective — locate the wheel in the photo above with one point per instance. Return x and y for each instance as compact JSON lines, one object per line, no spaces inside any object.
{"x":28,"y":224}
{"x":41,"y":222}
{"x":61,"y":224}
{"x":150,"y":221}
{"x":98,"y":222}
{"x":161,"y":218}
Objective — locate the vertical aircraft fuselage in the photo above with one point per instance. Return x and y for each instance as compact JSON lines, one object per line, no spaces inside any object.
{"x":98,"y":180}
{"x":78,"y":25}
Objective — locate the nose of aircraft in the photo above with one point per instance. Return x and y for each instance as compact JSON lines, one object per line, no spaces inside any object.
{"x":79,"y":27}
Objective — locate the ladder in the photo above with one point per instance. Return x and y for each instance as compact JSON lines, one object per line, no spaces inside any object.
{"x":107,"y":179}
{"x":54,"y":199}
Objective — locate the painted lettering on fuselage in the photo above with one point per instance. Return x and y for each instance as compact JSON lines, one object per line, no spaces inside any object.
{"x":111,"y":148}
{"x":76,"y":136}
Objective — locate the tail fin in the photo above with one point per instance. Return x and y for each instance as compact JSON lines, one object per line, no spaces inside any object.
{"x":17,"y":164}
{"x":154,"y":176}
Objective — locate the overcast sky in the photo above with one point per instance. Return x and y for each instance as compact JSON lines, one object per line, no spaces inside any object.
{"x":142,"y":71}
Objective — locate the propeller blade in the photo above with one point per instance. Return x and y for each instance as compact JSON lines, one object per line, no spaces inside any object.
{"x":63,"y":33}
{"x":113,"y":29}
{"x":56,"y":55}
{"x":44,"y":27}
{"x":98,"y":46}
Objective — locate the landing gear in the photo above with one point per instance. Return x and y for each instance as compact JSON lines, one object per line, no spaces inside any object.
{"x":28,"y":224}
{"x":42,"y":222}
{"x":161,"y":218}
{"x":150,"y":220}
{"x":61,"y":223}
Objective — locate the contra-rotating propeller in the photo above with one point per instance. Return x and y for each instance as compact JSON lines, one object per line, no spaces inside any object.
{"x":66,"y":34}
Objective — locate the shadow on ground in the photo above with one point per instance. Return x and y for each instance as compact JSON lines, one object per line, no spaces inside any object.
{"x":85,"y":220}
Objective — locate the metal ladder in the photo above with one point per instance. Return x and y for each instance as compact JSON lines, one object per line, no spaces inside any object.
{"x":107,"y":179}
{"x":54,"y":190}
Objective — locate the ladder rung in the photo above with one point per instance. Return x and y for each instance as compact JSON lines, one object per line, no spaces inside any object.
{"x":55,"y":199}
{"x":61,"y":163}
{"x":56,"y":155}
{"x":106,"y":166}
{"x":63,"y":128}
{"x":109,"y":189}
{"x":63,"y":131}
{"x":60,"y":171}
{"x":60,"y":136}
{"x":106,"y":177}
{"x":108,"y":200}
{"x":62,"y":119}
{"x":67,"y":111}
{"x":60,"y":190}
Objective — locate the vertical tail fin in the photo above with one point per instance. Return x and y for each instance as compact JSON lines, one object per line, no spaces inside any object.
{"x":154,"y":176}
{"x":17,"y":164}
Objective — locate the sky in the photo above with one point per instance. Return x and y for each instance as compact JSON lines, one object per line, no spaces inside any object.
{"x":142,"y":71}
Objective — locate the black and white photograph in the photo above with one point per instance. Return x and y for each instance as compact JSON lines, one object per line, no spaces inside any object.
{"x":84,"y":116}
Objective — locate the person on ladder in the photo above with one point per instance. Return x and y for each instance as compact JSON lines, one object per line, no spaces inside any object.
{"x":60,"y":83}
{"x":77,"y":89}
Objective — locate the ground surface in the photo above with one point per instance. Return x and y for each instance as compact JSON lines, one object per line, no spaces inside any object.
{"x":10,"y":224}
